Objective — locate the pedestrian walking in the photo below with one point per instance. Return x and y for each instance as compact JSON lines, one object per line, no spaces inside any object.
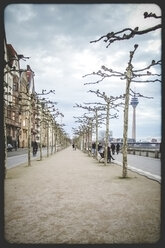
{"x":99,"y":147}
{"x":117,"y":148}
{"x":93,"y":148}
{"x":35,"y":148}
{"x":109,"y":157}
{"x":73,"y":146}
{"x":113,"y":148}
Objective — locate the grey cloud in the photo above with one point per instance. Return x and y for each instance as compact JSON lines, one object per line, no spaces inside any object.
{"x":57,"y":37}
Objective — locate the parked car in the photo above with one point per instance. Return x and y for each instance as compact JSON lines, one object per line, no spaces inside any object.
{"x":9,"y":148}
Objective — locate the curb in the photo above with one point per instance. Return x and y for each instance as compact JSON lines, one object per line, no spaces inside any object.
{"x":141,"y":172}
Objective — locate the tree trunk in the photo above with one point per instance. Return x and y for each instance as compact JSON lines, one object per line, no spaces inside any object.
{"x":29,"y":134}
{"x":55,"y":140}
{"x":91,"y":130}
{"x":41,"y":140}
{"x":47,"y":139}
{"x":29,"y":137}
{"x":96,"y":154}
{"x":88,"y":141}
{"x":54,"y":133}
{"x":83,"y":141}
{"x":52,"y":140}
{"x":106,"y":135}
{"x":5,"y":141}
{"x":125,"y":131}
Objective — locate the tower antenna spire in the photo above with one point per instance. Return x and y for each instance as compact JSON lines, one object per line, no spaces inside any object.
{"x":134,"y":103}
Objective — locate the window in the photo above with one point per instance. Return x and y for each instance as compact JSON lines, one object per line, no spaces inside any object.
{"x":15,"y":83}
{"x":23,"y":123}
{"x":9,"y":113}
{"x":13,"y":116}
{"x":15,"y":86}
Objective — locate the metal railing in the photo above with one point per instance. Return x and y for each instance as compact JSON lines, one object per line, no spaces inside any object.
{"x":145,"y":152}
{"x":146,"y":149}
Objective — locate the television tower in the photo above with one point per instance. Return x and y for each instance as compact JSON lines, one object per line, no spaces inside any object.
{"x":134,"y":103}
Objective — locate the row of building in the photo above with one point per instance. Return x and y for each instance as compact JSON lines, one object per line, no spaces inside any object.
{"x":27,"y":116}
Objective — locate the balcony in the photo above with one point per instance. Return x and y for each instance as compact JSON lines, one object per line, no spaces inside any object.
{"x":12,"y":123}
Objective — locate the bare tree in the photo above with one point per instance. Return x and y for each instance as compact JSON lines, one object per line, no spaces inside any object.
{"x":129,"y":75}
{"x":88,"y":122}
{"x":33,"y":96}
{"x":110,"y":104}
{"x":97,"y":118}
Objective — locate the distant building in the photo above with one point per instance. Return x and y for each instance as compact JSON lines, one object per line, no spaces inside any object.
{"x":120,"y":140}
{"x":102,"y":136}
{"x":153,"y":140}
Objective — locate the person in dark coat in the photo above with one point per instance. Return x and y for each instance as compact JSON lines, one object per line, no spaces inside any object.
{"x":93,"y":148}
{"x":109,"y":157}
{"x":73,"y":146}
{"x":113,"y":148}
{"x":35,"y":148}
{"x":117,"y":148}
{"x":99,"y":147}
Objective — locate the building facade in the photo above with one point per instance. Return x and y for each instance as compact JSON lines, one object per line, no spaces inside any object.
{"x":17,"y":104}
{"x":26,"y":117}
{"x":11,"y":92}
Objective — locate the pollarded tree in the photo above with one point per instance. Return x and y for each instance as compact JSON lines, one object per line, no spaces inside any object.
{"x":78,"y":137}
{"x":110,"y":103}
{"x":130,"y":75}
{"x":87,"y":121}
{"x":97,"y":117}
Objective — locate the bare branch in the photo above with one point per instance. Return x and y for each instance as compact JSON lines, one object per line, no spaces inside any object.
{"x":135,"y":94}
{"x":46,"y":93}
{"x":103,"y":75}
{"x":129,"y":68}
{"x":115,"y":73}
{"x":146,"y":15}
{"x":109,"y":99}
{"x":97,"y":103}
{"x":146,"y":81}
{"x":153,"y":63}
{"x":95,"y":82}
{"x":147,"y":74}
{"x":125,"y":34}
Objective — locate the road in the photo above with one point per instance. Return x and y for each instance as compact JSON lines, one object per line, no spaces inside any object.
{"x":150,"y":167}
{"x":20,"y":156}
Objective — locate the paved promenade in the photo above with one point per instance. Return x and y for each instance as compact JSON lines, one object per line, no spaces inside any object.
{"x":71,"y":198}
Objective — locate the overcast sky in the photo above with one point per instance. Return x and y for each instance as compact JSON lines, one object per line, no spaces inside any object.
{"x":57,"y":38}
